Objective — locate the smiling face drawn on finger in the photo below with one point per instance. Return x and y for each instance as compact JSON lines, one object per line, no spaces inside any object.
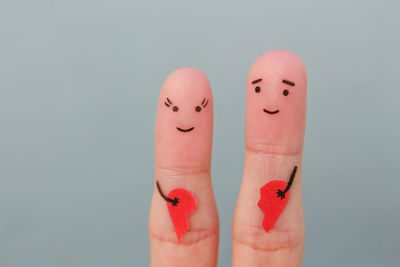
{"x":175,"y":108}
{"x":184,"y":125}
{"x":276,"y":102}
{"x":285,"y":92}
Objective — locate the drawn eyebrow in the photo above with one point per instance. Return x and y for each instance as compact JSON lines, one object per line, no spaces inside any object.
{"x":256,"y":81}
{"x":204,"y":104}
{"x":288,"y":82}
{"x":169,"y":102}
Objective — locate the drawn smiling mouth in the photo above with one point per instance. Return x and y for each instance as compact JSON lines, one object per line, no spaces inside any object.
{"x":185,"y":130}
{"x":271,"y":112}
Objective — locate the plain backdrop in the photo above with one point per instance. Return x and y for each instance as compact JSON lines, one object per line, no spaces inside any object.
{"x":79,"y":85}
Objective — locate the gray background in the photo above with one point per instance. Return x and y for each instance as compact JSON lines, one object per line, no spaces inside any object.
{"x":79,"y":82}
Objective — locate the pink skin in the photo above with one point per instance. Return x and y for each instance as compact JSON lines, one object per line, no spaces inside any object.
{"x":186,"y":88}
{"x":274,"y":144}
{"x":282,"y":132}
{"x":183,"y":162}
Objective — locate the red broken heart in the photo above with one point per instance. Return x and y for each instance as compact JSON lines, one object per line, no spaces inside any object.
{"x":274,"y":196}
{"x":180,"y":204}
{"x":183,"y":204}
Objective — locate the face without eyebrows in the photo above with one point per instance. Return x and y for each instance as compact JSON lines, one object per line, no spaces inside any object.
{"x":184,"y":119}
{"x":276,"y":102}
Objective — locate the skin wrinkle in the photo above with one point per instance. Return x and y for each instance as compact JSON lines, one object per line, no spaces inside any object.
{"x":266,"y":163}
{"x":257,"y":229}
{"x":202,"y":235}
{"x":253,"y":235}
{"x":276,"y":249}
{"x":289,"y":238}
{"x":178,"y":171}
{"x":192,"y":235}
{"x":272,"y":153}
{"x":272,"y":149}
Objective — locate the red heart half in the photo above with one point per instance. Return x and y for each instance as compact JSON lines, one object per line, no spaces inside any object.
{"x":274,"y":197}
{"x":179,"y":210}
{"x":271,"y":204}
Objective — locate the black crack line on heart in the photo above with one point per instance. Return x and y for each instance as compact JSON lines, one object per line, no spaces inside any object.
{"x":174,"y":201}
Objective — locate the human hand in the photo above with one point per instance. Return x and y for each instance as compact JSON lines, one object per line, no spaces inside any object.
{"x":268,"y":225}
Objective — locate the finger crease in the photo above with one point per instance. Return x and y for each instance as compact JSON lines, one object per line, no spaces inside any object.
{"x":271,"y":152}
{"x":201,"y":233}
{"x":289,"y":246}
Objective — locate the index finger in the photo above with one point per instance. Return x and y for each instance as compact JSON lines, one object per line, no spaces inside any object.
{"x":183,"y":223}
{"x":268,"y":228}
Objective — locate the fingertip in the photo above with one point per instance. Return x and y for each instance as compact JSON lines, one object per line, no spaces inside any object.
{"x":279,"y":57}
{"x":184,"y":120}
{"x":182,"y":78}
{"x":282,"y":64}
{"x":276,"y":102}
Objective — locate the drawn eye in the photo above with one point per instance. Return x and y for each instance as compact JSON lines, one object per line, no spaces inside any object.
{"x":175,"y":108}
{"x":198,"y":108}
{"x":285,"y":92}
{"x":258,"y":89}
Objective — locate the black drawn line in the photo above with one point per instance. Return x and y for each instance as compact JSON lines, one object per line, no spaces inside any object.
{"x":291,"y":179}
{"x":281,"y":193}
{"x":185,"y":130}
{"x":271,"y":112}
{"x":174,"y":201}
{"x":288,"y":82}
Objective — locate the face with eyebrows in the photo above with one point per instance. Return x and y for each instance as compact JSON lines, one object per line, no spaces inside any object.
{"x":184,"y":123}
{"x":175,"y":108}
{"x":285,"y":92}
{"x":185,"y":107}
{"x":276,"y":92}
